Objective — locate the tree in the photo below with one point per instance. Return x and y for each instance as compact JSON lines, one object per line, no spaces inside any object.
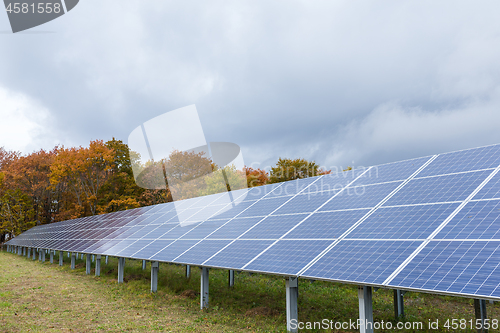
{"x":16,"y":213}
{"x":6,"y":157}
{"x":84,"y":171}
{"x":224,"y":179}
{"x":288,"y":169}
{"x":256,"y":177}
{"x":31,"y":175}
{"x":120,"y":191}
{"x":185,"y":172}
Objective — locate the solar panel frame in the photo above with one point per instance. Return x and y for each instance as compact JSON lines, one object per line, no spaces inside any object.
{"x":123,"y":225}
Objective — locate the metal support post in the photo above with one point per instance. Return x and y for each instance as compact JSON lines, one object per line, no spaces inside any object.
{"x":29,"y":252}
{"x":144,"y":265}
{"x":231,"y":278}
{"x":34,"y":254}
{"x":154,"y":276}
{"x":43,"y":255}
{"x":188,"y":271}
{"x":121,"y":267}
{"x":68,"y":255}
{"x":73,"y":260}
{"x":399,"y":309}
{"x":88,"y":264}
{"x":365,"y":309}
{"x":61,"y":258}
{"x":24,"y":251}
{"x":51,"y":256}
{"x":481,"y":315}
{"x":98,"y":265}
{"x":106,"y":260}
{"x":81,"y":256}
{"x":19,"y":250}
{"x":292,"y":294}
{"x":204,"y":288}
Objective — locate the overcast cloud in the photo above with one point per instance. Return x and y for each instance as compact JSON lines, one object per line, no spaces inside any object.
{"x":340,"y":82}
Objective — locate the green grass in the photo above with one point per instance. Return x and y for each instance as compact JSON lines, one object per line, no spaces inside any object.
{"x":43,"y":297}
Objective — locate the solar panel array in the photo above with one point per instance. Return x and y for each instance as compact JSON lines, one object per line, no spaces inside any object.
{"x":429,"y":223}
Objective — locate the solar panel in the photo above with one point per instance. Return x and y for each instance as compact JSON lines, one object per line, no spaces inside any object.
{"x":430,"y":223}
{"x":287,"y":257}
{"x":238,"y":253}
{"x":326,"y":224}
{"x":404,"y":222}
{"x":470,"y":267}
{"x":477,"y":220}
{"x":369,"y":261}
{"x":446,"y":188}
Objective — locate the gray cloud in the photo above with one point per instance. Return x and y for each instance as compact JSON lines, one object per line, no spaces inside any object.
{"x":340,"y":82}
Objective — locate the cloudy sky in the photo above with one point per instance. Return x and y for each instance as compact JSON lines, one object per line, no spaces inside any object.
{"x":340,"y":82}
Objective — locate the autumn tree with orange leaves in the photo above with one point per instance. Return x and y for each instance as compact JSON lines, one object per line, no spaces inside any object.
{"x":83,"y":171}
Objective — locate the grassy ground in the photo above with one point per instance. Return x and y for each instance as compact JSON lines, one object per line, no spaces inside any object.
{"x":43,"y":297}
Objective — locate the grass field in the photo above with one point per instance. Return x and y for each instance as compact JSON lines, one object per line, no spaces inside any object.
{"x":36,"y":297}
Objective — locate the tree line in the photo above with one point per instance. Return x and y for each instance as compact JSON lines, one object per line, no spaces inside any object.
{"x":66,"y":183}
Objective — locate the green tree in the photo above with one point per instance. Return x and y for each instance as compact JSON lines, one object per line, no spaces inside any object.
{"x":120,"y":191}
{"x":288,"y":169}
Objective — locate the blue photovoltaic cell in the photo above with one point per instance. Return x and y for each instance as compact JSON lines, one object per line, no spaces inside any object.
{"x":212,"y":212}
{"x":235,"y":228}
{"x":237,"y":254}
{"x":447,"y":188}
{"x":288,"y":256}
{"x":204,"y":229}
{"x":360,"y":197}
{"x":145,"y":230}
{"x":151,"y":249}
{"x":166,"y":217}
{"x":477,"y":220}
{"x":179,"y":231}
{"x":94,"y":246}
{"x":405,"y":222}
{"x":173,"y":250}
{"x":67,"y":246}
{"x":334,"y":182}
{"x":103,"y":248}
{"x":274,"y":226}
{"x":390,"y":172}
{"x":113,"y":251}
{"x":201,"y":252}
{"x":465,"y":160}
{"x":131,"y":232}
{"x":305,"y":203}
{"x":293,"y":187}
{"x":232,"y":212}
{"x":81,"y":246}
{"x":457,"y":267}
{"x":327,"y":224}
{"x":491,"y":190}
{"x":264,"y":206}
{"x":148,"y":219}
{"x":116,"y":234}
{"x":133,"y":248}
{"x":368,"y":261}
{"x":160,"y":231}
